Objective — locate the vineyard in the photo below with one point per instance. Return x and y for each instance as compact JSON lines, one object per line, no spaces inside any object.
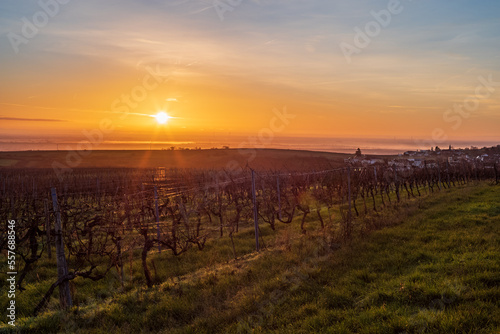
{"x":95,"y":222}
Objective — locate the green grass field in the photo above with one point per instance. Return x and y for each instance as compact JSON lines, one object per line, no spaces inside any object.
{"x":429,"y":265}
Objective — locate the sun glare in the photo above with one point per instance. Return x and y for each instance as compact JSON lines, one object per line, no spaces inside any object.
{"x":162,"y":117}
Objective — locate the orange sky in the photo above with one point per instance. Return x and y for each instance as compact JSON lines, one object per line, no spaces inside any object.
{"x":227,"y":77}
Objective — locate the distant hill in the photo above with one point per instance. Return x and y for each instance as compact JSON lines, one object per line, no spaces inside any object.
{"x":214,"y":158}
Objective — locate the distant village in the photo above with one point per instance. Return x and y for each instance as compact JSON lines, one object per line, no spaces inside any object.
{"x":419,"y":158}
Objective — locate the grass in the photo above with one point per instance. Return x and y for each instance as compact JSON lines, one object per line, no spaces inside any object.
{"x":433,"y":268}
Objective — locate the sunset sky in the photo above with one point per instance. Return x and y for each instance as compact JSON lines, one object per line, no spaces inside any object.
{"x":220,"y":69}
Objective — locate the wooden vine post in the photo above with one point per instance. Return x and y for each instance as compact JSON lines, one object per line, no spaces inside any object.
{"x":47,"y":229}
{"x":157,"y":217}
{"x":349,"y":199}
{"x":62,"y":266}
{"x":255,"y":213}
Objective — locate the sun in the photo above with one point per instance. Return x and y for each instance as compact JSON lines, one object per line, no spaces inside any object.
{"x":162,"y":117}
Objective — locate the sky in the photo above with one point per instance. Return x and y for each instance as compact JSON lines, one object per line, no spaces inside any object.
{"x":421,"y":70}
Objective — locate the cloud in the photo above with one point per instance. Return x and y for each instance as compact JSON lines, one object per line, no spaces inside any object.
{"x":31,"y":119}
